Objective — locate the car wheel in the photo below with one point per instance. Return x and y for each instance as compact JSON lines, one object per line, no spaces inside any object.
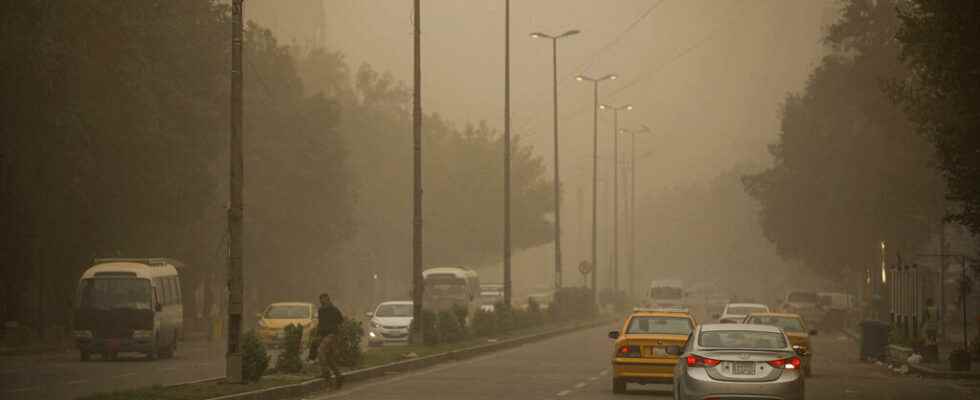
{"x":619,"y":386}
{"x":84,"y":355}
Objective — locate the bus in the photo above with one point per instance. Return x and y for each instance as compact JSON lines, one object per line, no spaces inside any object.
{"x":129,"y":305}
{"x":666,"y":293}
{"x":446,"y":287}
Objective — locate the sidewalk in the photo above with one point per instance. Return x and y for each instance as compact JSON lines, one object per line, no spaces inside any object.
{"x":941,"y":369}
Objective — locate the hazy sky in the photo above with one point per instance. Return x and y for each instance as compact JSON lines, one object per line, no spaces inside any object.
{"x":707,"y":76}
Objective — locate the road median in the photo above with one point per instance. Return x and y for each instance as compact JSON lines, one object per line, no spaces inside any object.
{"x":276,"y":387}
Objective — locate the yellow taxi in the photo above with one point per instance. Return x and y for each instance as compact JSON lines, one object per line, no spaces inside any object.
{"x":273,"y":321}
{"x":795,"y":328}
{"x":640,"y":354}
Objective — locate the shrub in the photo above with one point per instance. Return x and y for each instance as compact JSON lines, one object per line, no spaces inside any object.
{"x":254,"y":358}
{"x":427,"y":322}
{"x":504,"y":316}
{"x":461,"y":313}
{"x":484,"y":323}
{"x":572,"y":303}
{"x":450,"y":328}
{"x":289,"y":360}
{"x":348,"y":346}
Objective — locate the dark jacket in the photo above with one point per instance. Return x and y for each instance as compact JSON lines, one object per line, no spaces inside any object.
{"x":330,"y":320}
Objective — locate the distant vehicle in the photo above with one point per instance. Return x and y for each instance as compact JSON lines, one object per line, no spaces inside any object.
{"x":736,"y":312}
{"x":449,"y":286}
{"x":737,"y":361}
{"x":490,"y":294}
{"x":273,"y":321}
{"x":639,"y":354}
{"x":795,"y":329}
{"x":129,"y":305}
{"x":390,"y":323}
{"x":664,"y":293}
{"x":806,"y":304}
{"x":836,"y":301}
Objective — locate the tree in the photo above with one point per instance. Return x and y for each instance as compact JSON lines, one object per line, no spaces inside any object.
{"x":940,"y":44}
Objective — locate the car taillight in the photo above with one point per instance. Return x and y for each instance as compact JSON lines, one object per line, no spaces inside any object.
{"x":628,"y":351}
{"x":787,"y":363}
{"x":693,"y":361}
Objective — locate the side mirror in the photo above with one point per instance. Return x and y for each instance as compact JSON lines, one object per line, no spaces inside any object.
{"x":614,"y":334}
{"x":813,"y":332}
{"x":799,"y":351}
{"x":258,"y":315}
{"x":369,"y":314}
{"x":674,"y":350}
{"x":158,"y":307}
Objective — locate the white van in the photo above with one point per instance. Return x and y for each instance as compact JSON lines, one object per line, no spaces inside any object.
{"x":129,"y":305}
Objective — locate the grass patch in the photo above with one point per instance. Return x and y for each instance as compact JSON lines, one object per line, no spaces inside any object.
{"x":196,"y":391}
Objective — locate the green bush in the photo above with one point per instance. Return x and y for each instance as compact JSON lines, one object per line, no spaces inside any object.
{"x":427,"y":322}
{"x":504,"y":316}
{"x":461,"y":313}
{"x":451,"y":329}
{"x":484,"y":323}
{"x":289,"y":360}
{"x":254,"y":358}
{"x":348,"y":347}
{"x":572,"y":303}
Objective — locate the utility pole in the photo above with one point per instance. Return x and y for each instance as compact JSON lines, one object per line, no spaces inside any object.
{"x":417,"y":285}
{"x":507,"y":282}
{"x":615,"y":260}
{"x":236,"y":211}
{"x":942,"y":276}
{"x":595,"y":168}
{"x":632,"y":207}
{"x":557,"y":182}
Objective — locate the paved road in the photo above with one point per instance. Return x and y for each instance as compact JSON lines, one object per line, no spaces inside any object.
{"x":63,"y":376}
{"x":576,"y":366}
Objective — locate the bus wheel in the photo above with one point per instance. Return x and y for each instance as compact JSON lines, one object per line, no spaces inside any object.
{"x":84,"y":355}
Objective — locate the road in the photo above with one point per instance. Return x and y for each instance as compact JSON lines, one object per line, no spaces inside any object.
{"x":63,"y":376}
{"x":576,"y":366}
{"x":572,"y":366}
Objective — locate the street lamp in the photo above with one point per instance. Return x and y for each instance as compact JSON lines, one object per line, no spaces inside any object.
{"x":595,"y":162}
{"x":632,"y":202}
{"x":557,"y":183}
{"x":615,"y":266}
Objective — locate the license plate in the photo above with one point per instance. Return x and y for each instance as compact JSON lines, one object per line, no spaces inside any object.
{"x":743,"y":368}
{"x":659,"y":352}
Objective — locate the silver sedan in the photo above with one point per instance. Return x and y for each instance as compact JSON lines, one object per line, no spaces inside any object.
{"x":737,"y":360}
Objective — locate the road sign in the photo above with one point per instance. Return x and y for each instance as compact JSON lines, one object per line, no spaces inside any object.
{"x":585,"y":267}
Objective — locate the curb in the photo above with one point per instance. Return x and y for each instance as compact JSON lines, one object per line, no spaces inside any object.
{"x":319,"y":384}
{"x":935,"y":373}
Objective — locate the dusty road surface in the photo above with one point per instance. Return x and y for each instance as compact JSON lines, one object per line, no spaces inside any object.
{"x":63,"y":376}
{"x":576,"y":366}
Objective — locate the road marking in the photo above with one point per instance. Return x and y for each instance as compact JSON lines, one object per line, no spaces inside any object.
{"x":12,"y":371}
{"x":168,"y":368}
{"x":580,"y":385}
{"x":594,"y":378}
{"x":23,"y":389}
{"x":563,"y":393}
{"x":604,"y":372}
{"x":124,"y":375}
{"x":78,"y":382}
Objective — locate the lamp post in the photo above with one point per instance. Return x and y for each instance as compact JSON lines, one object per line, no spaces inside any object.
{"x":554,"y":67}
{"x":615,"y":266}
{"x":632,"y":206}
{"x":595,"y":162}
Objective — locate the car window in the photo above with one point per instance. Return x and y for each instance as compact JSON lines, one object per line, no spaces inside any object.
{"x":288,"y":312}
{"x":394,"y":310}
{"x":742,"y":340}
{"x":661,"y":325}
{"x":742,"y":310}
{"x":788,"y":324}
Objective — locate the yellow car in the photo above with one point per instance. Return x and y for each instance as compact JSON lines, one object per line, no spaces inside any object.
{"x":273,"y":321}
{"x":795,"y":328}
{"x":640,"y":354}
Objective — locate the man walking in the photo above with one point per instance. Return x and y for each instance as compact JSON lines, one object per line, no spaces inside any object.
{"x":326,"y":331}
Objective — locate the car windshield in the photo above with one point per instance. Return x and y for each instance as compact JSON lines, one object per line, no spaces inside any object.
{"x":744,"y":310}
{"x":666,"y":292}
{"x":803,"y":297}
{"x":788,"y":324}
{"x":288,"y":312}
{"x":110,"y":293}
{"x":445,"y":289}
{"x":394,"y":310}
{"x":662,"y":325}
{"x":742,"y":340}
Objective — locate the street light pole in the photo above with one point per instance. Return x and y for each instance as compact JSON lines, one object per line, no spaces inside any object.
{"x":417,"y":286}
{"x":615,"y":266}
{"x":632,"y":205}
{"x":233,"y":356}
{"x":507,"y":262}
{"x":595,"y":166}
{"x":557,"y":182}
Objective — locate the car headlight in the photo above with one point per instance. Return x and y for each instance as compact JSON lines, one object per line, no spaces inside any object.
{"x":141,"y":334}
{"x":262,"y":324}
{"x":372,"y":334}
{"x":83,"y":334}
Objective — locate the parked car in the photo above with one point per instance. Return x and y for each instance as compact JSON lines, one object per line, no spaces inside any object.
{"x":737,"y":360}
{"x":273,"y":321}
{"x":795,"y":329}
{"x":736,"y":312}
{"x":390,"y":323}
{"x":640,"y":355}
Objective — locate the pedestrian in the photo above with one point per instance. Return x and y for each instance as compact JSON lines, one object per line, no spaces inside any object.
{"x":324,"y":347}
{"x":930,"y":323}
